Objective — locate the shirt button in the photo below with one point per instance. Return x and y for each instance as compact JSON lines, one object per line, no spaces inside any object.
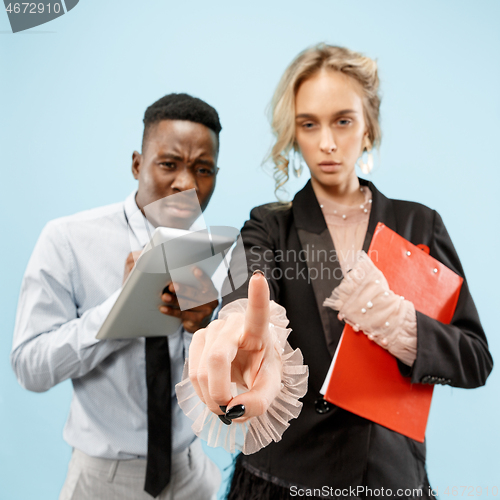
{"x":322,"y":406}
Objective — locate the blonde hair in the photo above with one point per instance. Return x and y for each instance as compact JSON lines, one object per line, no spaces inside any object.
{"x":304,"y":66}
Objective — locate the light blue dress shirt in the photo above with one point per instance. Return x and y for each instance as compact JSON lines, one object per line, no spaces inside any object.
{"x":72,"y":280}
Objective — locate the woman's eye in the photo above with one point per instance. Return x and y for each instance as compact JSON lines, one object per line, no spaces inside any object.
{"x":308,"y":125}
{"x":344,"y":122}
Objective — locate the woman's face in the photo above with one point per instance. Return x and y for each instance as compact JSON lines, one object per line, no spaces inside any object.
{"x":330,"y":128}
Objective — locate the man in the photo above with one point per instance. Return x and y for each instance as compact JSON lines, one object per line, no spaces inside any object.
{"x":71,"y":283}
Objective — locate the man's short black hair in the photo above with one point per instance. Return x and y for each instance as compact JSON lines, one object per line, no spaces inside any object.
{"x":181,"y":107}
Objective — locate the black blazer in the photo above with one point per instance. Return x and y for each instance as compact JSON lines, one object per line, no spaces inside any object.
{"x":337,"y":448}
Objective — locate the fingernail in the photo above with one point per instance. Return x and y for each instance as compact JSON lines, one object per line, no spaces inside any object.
{"x":258,"y":271}
{"x":168,"y":298}
{"x":225,"y":420}
{"x":235,"y":412}
{"x":223,"y":408}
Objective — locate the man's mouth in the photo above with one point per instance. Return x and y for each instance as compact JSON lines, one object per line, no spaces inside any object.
{"x":181,"y":210}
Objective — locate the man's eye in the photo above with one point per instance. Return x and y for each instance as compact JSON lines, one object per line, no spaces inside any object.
{"x":205,"y":171}
{"x":344,"y":122}
{"x":168,"y":165}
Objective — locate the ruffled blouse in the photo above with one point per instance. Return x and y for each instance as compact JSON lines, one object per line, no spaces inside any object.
{"x":347,"y":225}
{"x":398,"y":324}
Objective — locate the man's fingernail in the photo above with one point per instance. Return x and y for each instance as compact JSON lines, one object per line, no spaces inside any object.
{"x":225,"y":420}
{"x":167,"y":297}
{"x":223,"y":408}
{"x":258,"y":271}
{"x":235,"y":412}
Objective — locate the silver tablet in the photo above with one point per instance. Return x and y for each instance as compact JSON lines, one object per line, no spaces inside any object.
{"x":170,"y":256}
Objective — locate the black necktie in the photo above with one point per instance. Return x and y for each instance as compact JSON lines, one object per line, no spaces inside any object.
{"x":159,"y":415}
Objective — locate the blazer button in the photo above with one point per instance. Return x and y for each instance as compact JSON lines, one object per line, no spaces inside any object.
{"x":322,"y":406}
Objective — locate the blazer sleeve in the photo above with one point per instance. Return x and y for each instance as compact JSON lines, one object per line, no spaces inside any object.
{"x":456,"y":354}
{"x":258,"y":254}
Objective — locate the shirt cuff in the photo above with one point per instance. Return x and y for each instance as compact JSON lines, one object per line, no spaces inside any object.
{"x":94,"y":318}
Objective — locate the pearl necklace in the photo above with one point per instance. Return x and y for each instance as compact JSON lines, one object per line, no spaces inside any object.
{"x":362,"y":207}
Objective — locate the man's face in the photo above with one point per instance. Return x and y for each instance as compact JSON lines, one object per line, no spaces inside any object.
{"x":177,"y":155}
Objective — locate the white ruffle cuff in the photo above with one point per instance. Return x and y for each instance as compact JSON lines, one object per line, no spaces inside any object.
{"x":365,"y":301}
{"x":257,"y":432}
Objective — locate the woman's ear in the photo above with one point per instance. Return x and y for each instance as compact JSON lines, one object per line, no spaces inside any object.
{"x":136,"y":164}
{"x":366,"y":142}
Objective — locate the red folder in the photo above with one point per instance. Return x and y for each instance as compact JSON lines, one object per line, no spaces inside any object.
{"x":365,"y":378}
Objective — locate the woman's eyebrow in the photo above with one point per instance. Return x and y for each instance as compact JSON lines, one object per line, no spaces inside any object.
{"x":346,"y":112}
{"x":338,"y":113}
{"x":304,"y":115}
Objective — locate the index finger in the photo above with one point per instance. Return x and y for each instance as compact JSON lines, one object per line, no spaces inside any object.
{"x":203,"y":278}
{"x":189,"y":297}
{"x":257,"y":313}
{"x":133,"y":256}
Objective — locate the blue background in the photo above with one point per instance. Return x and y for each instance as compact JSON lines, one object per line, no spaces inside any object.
{"x":72,"y":97}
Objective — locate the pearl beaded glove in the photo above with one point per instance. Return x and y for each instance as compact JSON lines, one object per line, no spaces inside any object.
{"x":365,"y":301}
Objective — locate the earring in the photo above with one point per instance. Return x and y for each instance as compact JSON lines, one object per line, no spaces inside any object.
{"x":366,"y":167}
{"x":295,"y":160}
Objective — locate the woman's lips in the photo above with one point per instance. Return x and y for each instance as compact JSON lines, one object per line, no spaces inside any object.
{"x":330,"y":166}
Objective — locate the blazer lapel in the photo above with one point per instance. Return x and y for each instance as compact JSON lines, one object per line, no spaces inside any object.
{"x":381,"y":211}
{"x":323,"y":266}
{"x":322,"y":263}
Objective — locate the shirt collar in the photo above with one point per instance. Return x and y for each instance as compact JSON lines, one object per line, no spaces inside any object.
{"x":139,"y":226}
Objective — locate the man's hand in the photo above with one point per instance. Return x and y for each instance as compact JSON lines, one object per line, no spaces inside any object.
{"x":238,"y":349}
{"x":130,"y":263}
{"x":197,"y":316}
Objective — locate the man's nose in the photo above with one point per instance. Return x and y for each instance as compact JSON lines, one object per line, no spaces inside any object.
{"x":327,"y":141}
{"x":184,"y":180}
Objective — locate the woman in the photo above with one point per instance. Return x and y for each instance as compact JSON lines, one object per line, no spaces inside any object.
{"x":326,"y":108}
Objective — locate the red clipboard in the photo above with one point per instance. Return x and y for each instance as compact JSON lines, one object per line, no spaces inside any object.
{"x":365,"y":378}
